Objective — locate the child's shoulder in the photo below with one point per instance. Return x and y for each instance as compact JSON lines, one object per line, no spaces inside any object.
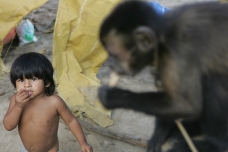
{"x":56,"y":101}
{"x":55,"y":98}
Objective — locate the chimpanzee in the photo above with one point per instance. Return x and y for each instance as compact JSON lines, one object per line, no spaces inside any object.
{"x":188,"y":45}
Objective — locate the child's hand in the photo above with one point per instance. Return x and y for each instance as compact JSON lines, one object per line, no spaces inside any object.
{"x":21,"y":98}
{"x":86,"y":148}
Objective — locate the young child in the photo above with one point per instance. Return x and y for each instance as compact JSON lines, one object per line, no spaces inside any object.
{"x":34,"y":108}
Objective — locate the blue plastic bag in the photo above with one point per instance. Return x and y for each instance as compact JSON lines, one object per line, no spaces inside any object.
{"x":158,"y":7}
{"x":25,"y":32}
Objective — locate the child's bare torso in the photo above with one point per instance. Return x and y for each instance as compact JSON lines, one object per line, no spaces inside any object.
{"x":38,"y":126}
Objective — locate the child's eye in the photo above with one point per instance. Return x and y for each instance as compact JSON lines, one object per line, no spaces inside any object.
{"x":19,"y":80}
{"x":34,"y":79}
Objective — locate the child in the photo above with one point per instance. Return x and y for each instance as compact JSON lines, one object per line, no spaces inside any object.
{"x":35,"y":109}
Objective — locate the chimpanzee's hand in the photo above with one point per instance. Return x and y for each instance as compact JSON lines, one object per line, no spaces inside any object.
{"x":112,"y":97}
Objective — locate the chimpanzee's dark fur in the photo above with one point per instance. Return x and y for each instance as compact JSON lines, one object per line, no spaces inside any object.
{"x":192,"y":64}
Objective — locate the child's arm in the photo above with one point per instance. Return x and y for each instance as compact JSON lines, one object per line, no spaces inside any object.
{"x":73,"y":125}
{"x":15,"y":109}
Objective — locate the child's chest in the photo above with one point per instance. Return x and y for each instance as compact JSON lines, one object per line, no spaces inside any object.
{"x":39,"y":114}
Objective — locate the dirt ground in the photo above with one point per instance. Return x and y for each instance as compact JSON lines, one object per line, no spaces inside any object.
{"x":137,"y":125}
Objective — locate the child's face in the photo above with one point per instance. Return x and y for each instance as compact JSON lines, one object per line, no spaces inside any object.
{"x":33,"y":86}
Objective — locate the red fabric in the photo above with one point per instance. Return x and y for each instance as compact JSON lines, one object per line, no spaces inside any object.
{"x":9,"y":36}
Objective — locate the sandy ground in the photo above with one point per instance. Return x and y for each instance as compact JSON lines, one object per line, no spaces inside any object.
{"x":128,"y":122}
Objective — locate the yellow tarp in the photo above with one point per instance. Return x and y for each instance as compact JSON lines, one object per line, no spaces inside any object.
{"x":11,"y":13}
{"x":77,"y":55}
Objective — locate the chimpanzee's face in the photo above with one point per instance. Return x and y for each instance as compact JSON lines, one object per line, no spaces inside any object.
{"x":124,"y":54}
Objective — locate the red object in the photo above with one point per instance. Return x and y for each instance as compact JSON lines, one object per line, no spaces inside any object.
{"x":9,"y":36}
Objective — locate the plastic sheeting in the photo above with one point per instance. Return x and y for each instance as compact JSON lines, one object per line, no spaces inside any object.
{"x":11,"y":13}
{"x":77,"y":55}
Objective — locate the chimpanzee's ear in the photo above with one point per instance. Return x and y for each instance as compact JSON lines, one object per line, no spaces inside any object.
{"x":145,"y":38}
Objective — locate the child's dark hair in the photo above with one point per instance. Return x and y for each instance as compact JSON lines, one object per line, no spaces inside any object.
{"x":31,"y":65}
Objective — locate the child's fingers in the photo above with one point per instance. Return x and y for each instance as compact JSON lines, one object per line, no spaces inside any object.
{"x":26,"y":99}
{"x":22,"y":94}
{"x":87,"y":150}
{"x":20,"y":91}
{"x":25,"y":95}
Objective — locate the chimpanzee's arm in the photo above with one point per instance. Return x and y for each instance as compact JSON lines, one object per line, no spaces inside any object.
{"x":185,"y":102}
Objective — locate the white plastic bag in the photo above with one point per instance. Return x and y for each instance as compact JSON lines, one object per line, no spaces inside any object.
{"x":25,"y":32}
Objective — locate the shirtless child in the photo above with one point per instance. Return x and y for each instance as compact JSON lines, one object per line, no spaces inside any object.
{"x":34,"y":108}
